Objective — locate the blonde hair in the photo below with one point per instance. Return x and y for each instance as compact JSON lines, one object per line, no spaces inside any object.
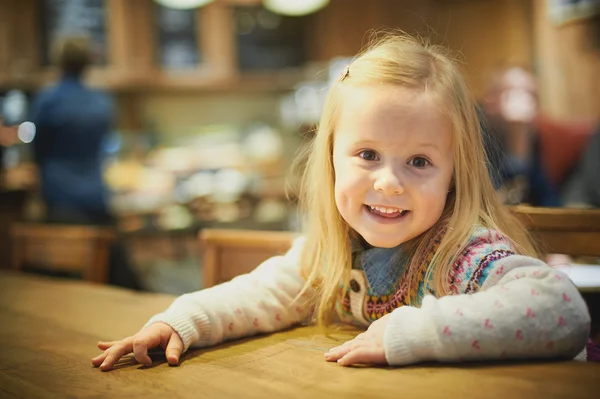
{"x":413,"y":64}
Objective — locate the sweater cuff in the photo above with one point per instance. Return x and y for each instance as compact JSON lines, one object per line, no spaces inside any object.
{"x":191,"y":329}
{"x":409,"y":337}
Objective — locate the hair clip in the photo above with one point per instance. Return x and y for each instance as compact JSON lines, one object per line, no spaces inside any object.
{"x":345,"y":73}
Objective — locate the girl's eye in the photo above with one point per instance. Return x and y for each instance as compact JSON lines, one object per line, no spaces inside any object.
{"x":368,"y":155}
{"x":419,"y":162}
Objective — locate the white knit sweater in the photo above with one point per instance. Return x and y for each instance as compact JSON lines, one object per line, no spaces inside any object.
{"x":523,"y":309}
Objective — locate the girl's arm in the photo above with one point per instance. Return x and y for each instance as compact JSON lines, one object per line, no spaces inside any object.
{"x":524,"y":309}
{"x":257,"y":302}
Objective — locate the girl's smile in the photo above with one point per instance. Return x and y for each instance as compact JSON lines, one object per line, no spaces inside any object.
{"x":387,"y":215}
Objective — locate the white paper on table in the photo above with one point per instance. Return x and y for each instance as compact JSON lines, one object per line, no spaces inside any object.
{"x":584,"y":276}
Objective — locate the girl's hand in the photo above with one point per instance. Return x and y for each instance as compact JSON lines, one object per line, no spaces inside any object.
{"x":150,"y":337}
{"x":365,"y":348}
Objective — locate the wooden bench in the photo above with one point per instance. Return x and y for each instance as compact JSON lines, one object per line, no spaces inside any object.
{"x":63,"y":248}
{"x":574,"y":232}
{"x":228,"y":253}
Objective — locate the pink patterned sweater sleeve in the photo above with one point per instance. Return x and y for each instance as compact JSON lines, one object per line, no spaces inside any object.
{"x":505,"y":306}
{"x":257,"y":302}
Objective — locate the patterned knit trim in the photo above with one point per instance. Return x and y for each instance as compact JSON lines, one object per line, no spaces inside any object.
{"x":472,"y":265}
{"x":482,"y":269}
{"x":344,"y":304}
{"x":467,"y":267}
{"x":375,"y":307}
{"x":378,"y":306}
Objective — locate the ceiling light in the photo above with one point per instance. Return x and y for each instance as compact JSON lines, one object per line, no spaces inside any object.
{"x":294,"y":8}
{"x":183,"y":4}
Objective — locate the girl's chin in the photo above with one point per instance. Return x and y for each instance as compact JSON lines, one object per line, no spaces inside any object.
{"x":381,"y":241}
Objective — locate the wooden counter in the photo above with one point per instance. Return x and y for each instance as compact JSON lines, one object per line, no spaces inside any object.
{"x":49,"y":329}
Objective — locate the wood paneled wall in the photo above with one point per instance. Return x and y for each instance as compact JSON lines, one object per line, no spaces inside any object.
{"x":485,"y":33}
{"x":568,"y":66}
{"x":19,"y":45}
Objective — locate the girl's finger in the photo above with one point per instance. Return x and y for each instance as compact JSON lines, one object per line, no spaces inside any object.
{"x":115,"y":353}
{"x":111,"y":358}
{"x":339,"y":352}
{"x":174,"y":349}
{"x":140,"y":352}
{"x":363,"y":355}
{"x":335,"y":348}
{"x":106,"y":344}
{"x":143,"y":341}
{"x":97,"y":361}
{"x":345,"y":344}
{"x":330,"y":355}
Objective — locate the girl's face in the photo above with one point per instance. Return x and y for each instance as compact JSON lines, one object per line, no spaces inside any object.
{"x":393,"y":161}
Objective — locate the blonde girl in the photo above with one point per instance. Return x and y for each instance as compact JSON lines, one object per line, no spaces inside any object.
{"x":404,"y":235}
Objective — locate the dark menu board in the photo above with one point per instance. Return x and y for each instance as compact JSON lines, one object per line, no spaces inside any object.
{"x":62,"y":18}
{"x":177,"y":38}
{"x":267,"y":41}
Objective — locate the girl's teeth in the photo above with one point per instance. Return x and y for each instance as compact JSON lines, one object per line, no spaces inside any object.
{"x":385,"y":210}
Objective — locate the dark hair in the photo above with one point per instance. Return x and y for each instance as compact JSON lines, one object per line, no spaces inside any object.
{"x":73,"y":55}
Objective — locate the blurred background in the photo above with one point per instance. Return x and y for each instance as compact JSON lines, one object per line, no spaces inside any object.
{"x":159,"y":118}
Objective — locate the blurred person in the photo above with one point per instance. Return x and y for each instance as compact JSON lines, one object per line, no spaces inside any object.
{"x":404,"y":236}
{"x":583,"y":187}
{"x":509,"y":110}
{"x":72,"y":121}
{"x":582,"y":190}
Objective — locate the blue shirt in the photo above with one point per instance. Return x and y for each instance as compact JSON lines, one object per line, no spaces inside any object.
{"x":71,"y":123}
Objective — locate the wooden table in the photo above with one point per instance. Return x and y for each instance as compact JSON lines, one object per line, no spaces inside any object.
{"x":49,"y":329}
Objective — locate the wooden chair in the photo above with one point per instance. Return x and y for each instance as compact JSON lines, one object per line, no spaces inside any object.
{"x":229,"y":253}
{"x":63,"y":248}
{"x":574,"y":232}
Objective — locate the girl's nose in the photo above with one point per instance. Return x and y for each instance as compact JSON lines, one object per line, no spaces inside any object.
{"x":388,"y":182}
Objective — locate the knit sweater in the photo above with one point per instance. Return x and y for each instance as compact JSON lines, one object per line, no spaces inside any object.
{"x":502,"y":306}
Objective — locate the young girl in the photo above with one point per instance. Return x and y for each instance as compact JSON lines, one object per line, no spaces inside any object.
{"x":404,"y":234}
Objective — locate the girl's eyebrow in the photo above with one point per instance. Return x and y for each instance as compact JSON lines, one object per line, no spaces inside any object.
{"x":429,"y":144}
{"x":366,"y":142}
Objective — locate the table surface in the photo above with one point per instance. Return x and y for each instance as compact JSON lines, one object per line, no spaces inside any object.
{"x":49,"y":329}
